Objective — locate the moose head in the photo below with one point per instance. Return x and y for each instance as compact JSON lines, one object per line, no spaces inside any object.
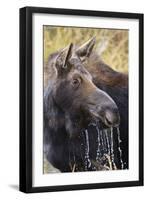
{"x":76,"y":94}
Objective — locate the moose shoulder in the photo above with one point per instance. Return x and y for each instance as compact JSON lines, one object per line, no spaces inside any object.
{"x":85,"y":102}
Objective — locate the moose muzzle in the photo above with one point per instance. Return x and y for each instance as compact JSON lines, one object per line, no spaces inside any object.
{"x":102,"y":107}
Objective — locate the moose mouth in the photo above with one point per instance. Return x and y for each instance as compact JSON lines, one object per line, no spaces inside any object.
{"x":97,"y":144}
{"x":108,"y":119}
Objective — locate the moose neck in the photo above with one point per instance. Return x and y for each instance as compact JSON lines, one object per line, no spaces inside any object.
{"x":102,"y":73}
{"x":53,"y":115}
{"x":74,"y":124}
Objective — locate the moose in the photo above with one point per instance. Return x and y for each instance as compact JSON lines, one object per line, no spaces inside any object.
{"x":84,"y":97}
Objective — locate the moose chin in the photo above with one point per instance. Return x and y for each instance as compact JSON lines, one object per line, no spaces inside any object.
{"x":78,"y":114}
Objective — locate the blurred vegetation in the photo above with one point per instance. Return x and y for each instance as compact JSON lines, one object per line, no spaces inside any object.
{"x":48,"y":168}
{"x":111,"y":45}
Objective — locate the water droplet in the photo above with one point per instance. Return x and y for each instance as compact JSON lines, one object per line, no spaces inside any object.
{"x":87,"y":160}
{"x":119,"y":149}
{"x":112,"y":149}
{"x":107,"y":139}
{"x":105,"y":142}
{"x":98,"y":151}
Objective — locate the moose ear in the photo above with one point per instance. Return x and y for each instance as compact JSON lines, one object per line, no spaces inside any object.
{"x":63,"y":57}
{"x":86,"y":49}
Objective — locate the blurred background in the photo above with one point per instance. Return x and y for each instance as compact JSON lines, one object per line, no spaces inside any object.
{"x":111,"y":45}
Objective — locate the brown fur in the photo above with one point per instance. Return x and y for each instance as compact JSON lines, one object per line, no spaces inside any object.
{"x":99,"y":70}
{"x":103,"y":74}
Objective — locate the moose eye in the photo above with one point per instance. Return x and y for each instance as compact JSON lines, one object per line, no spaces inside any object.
{"x":76,"y":82}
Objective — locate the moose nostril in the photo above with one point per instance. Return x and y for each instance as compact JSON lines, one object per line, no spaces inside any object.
{"x":110,"y":123}
{"x":112,"y":118}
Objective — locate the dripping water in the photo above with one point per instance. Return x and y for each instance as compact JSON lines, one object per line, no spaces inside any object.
{"x":98,"y":151}
{"x":104,"y":142}
{"x":108,"y":156}
{"x":119,"y":149}
{"x":105,"y":153}
{"x":112,"y":149}
{"x":105,"y":147}
{"x":87,"y":160}
{"x":107,"y":140}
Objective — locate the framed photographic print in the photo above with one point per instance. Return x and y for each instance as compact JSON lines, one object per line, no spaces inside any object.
{"x":81,"y":99}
